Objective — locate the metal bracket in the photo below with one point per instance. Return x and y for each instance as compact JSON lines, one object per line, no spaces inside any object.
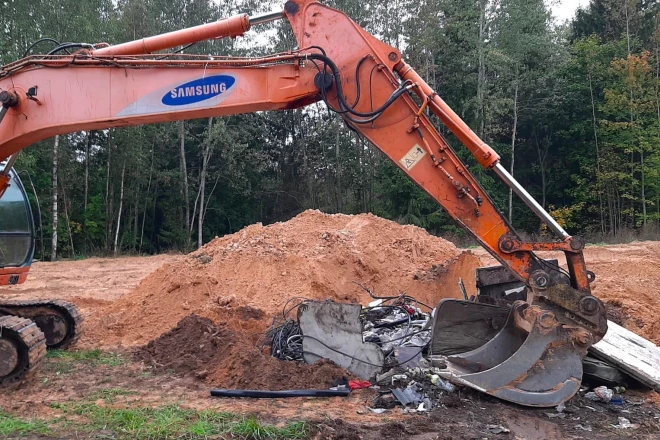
{"x":510,"y":244}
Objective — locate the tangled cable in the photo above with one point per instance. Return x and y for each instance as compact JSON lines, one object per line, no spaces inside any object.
{"x":284,"y":336}
{"x":286,"y":341}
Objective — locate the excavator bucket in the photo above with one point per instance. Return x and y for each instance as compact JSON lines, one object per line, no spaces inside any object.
{"x":520,"y":353}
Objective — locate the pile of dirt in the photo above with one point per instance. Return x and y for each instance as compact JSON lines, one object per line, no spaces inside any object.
{"x":224,"y":358}
{"x":244,"y":279}
{"x":627,"y":277}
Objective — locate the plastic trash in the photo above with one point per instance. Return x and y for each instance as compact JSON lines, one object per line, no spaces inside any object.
{"x":624,"y":424}
{"x":600,"y":394}
{"x":583,"y":427}
{"x":442,"y":384}
{"x":497,"y":429}
{"x":618,"y":400}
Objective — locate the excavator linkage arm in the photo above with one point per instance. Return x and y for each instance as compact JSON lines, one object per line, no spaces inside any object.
{"x":377,"y":94}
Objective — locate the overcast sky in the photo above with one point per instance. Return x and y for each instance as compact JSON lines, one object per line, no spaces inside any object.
{"x":565,"y":9}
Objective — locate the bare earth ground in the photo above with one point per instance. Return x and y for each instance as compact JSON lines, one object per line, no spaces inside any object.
{"x":628,"y":277}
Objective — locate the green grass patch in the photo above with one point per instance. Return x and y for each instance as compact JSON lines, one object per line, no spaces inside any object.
{"x":10,"y":425}
{"x":169,"y":422}
{"x":98,"y":357}
{"x":110,"y":394}
{"x":251,"y":428}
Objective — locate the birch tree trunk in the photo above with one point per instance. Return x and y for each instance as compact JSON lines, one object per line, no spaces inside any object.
{"x":121,"y":203}
{"x":598,"y":173}
{"x":657,"y":66}
{"x":513,"y":144}
{"x":206,"y":153}
{"x":53,"y":254}
{"x":68,"y":222}
{"x":184,"y":175}
{"x":340,"y":204}
{"x":641,"y":163}
{"x":88,"y":139}
{"x":481,"y":83}
{"x":108,"y":199}
{"x":146,"y":197}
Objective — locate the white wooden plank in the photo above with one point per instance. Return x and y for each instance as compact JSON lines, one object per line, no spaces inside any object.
{"x":631,"y":353}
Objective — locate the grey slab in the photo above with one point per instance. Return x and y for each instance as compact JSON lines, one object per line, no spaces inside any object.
{"x":333,"y":331}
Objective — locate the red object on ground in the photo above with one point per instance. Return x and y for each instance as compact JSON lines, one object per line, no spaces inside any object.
{"x":358,"y":384}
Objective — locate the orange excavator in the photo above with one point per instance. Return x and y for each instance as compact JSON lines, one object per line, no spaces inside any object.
{"x":539,"y":318}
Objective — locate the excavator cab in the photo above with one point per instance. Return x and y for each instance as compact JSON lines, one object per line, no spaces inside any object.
{"x":17,"y":235}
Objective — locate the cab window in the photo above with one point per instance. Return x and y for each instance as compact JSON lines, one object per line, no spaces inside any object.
{"x":15,"y":226}
{"x":13,"y":210}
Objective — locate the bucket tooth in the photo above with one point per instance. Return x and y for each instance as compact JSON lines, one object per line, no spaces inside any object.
{"x":541,"y":367}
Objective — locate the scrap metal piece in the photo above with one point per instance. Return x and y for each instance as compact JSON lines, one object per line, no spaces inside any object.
{"x":599,"y":372}
{"x":266,"y":394}
{"x":333,"y":331}
{"x":408,"y":357}
{"x":407,"y":396}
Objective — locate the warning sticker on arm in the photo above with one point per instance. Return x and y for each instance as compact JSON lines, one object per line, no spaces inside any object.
{"x":413,"y":156}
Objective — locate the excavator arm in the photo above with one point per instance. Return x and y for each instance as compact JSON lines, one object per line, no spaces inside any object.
{"x":370,"y":86}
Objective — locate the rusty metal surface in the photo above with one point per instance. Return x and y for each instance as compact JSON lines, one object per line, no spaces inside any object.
{"x":576,"y":308}
{"x":532,"y":361}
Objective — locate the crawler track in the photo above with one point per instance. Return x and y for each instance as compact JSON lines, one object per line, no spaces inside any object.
{"x":60,"y":321}
{"x":22,"y":349}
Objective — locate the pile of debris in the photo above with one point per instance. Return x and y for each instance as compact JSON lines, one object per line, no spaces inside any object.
{"x":387,"y":342}
{"x":390,"y":334}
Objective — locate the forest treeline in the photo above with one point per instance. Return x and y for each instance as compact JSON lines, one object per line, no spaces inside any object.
{"x":573,"y":108}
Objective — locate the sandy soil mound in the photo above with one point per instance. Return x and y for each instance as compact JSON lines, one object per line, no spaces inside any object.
{"x":225,"y":358}
{"x":244,"y":279}
{"x":627,"y":277}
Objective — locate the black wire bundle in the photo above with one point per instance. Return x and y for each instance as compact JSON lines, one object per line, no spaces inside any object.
{"x":285,"y":341}
{"x":284,"y":336}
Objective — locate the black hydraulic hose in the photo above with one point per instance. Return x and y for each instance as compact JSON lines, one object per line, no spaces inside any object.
{"x":340,"y":90}
{"x":27,"y":51}
{"x":263,"y":394}
{"x":70,"y":46}
{"x":3,"y":112}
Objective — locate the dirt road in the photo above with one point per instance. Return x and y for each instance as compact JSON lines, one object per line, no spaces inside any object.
{"x":98,"y":279}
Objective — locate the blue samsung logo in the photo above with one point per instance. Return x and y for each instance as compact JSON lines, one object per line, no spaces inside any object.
{"x":199,"y":90}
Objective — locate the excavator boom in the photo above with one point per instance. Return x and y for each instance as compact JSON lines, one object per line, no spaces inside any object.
{"x":370,"y":86}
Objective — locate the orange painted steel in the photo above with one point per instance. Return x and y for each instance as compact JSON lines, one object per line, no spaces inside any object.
{"x":7,"y":273}
{"x":93,"y":97}
{"x":485,"y":155}
{"x":111,"y":89}
{"x":228,"y":27}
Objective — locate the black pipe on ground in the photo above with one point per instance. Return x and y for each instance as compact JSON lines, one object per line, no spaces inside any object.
{"x":263,"y":394}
